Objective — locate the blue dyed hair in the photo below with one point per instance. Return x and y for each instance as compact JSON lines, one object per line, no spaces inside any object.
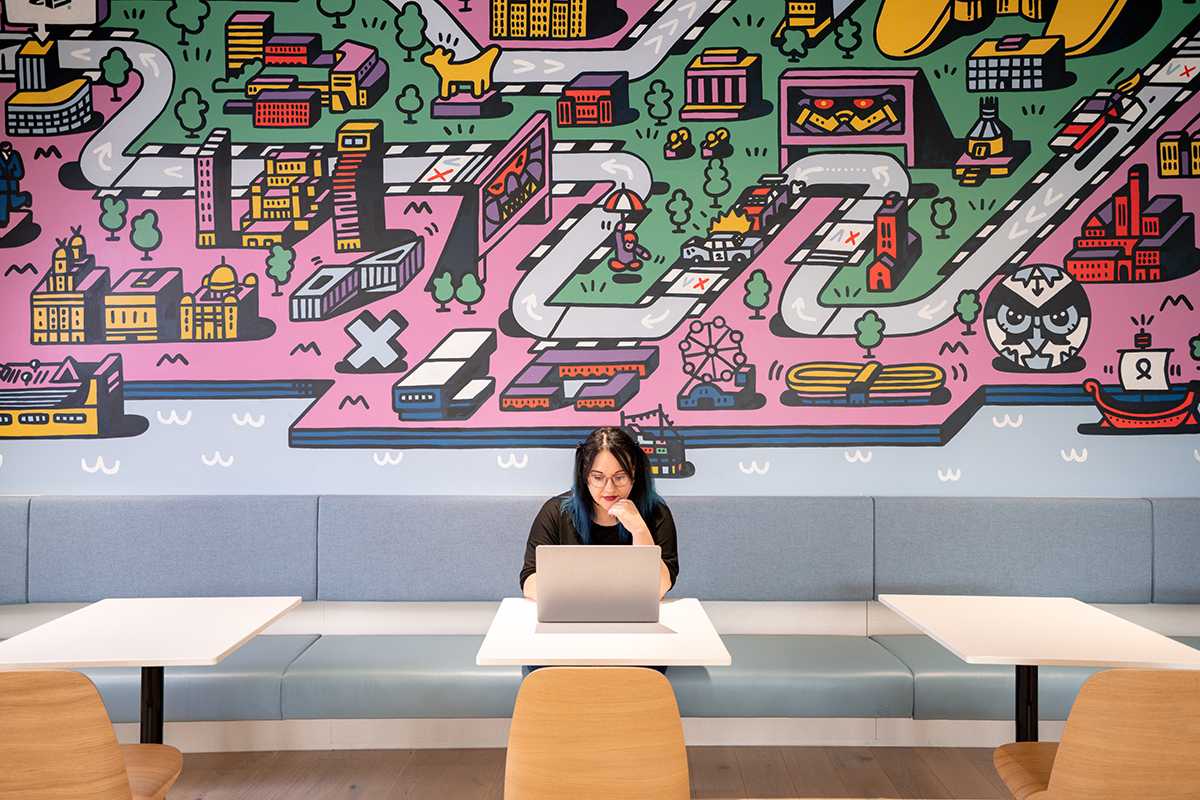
{"x":633,"y":460}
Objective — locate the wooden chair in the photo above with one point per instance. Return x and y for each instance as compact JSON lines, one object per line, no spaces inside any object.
{"x":596,"y":732}
{"x":1132,"y":733}
{"x":57,"y":743}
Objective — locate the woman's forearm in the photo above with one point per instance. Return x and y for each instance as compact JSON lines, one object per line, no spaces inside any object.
{"x":530,"y":588}
{"x":664,"y":579}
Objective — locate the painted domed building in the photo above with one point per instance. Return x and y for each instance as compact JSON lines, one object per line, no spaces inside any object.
{"x":222,"y":309}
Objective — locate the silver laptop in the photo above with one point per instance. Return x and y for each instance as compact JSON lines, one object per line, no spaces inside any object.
{"x":597,"y":583}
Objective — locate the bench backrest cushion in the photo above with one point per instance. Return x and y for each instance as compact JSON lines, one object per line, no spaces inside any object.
{"x":421,"y":547}
{"x":774,"y":548}
{"x":87,"y":548}
{"x":1176,"y":550}
{"x":14,"y":548}
{"x":1097,"y":550}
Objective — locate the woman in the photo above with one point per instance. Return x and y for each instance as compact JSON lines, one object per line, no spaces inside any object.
{"x":612,"y":501}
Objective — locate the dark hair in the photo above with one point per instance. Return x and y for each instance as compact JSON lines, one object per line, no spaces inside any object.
{"x":632,"y":459}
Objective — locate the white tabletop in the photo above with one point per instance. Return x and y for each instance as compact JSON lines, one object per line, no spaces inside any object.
{"x":1038,"y":631}
{"x":683,"y":637}
{"x":145,"y":632}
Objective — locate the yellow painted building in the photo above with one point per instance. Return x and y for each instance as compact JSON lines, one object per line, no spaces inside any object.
{"x":811,"y":16}
{"x":246,"y":35}
{"x":64,"y":308}
{"x":223,"y":308}
{"x":539,"y":19}
{"x":144,"y":306}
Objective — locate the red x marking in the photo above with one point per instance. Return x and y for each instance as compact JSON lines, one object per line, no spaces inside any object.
{"x":441,"y":174}
{"x":852,"y":237}
{"x":699,"y":284}
{"x":1187,"y":71}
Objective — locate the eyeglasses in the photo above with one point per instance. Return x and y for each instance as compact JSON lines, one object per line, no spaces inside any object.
{"x":597,"y":480}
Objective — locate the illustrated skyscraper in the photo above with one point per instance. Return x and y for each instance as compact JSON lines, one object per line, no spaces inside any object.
{"x":214,"y":189}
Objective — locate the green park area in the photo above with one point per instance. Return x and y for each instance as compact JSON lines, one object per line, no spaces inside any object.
{"x":1033,"y":116}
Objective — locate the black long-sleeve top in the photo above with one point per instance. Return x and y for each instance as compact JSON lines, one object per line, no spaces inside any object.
{"x":553,"y":525}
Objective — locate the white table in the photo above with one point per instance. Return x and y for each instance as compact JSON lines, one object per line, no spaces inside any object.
{"x":1031,"y":631}
{"x":146,"y":632}
{"x":683,"y":637}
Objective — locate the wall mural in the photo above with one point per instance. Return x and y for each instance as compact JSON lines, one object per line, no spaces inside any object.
{"x":459,"y":224}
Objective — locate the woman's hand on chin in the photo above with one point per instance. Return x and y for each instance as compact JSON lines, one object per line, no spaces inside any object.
{"x":627,"y":514}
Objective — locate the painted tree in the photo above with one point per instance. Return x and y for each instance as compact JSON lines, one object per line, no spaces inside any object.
{"x":409,"y":102}
{"x":848,"y":37}
{"x":241,"y":76}
{"x":967,"y":309}
{"x":469,"y":292}
{"x":410,"y":29}
{"x":144,"y":233}
{"x":443,"y":291}
{"x":188,"y":16}
{"x":112,"y":216}
{"x":280,"y":263}
{"x":869,"y":329}
{"x":658,"y":102}
{"x":114,"y":70}
{"x":716,"y":181}
{"x":942,"y":215}
{"x":191,"y":111}
{"x":335,"y":9}
{"x":758,"y":293}
{"x":679,"y":209}
{"x":794,"y":44}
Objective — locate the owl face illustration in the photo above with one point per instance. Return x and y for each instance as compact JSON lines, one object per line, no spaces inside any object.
{"x":1038,"y":319}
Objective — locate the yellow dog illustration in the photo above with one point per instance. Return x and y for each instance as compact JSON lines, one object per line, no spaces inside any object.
{"x":475,"y":71}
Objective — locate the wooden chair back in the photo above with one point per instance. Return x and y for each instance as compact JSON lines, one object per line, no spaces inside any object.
{"x":56,"y":741}
{"x":596,"y":732}
{"x":1131,"y":733}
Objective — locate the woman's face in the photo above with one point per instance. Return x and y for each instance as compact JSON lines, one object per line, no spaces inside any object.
{"x":608,"y":481}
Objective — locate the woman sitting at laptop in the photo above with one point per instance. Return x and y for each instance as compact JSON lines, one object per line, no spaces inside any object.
{"x":612,"y":501}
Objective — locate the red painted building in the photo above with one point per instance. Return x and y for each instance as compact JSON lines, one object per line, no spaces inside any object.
{"x":298,"y":108}
{"x":1134,"y":237}
{"x":594,"y":98}
{"x":295,"y":49}
{"x":897,"y":247}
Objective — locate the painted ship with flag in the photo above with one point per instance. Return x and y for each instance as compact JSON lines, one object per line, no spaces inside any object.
{"x":1148,"y":403}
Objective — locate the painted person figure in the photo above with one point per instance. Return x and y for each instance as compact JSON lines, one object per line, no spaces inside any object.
{"x":12,"y":170}
{"x":611,"y":502}
{"x":627,"y":253}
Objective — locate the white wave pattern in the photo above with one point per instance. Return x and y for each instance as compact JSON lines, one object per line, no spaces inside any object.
{"x":1077,"y":456}
{"x":949,"y":475}
{"x":513,"y":461}
{"x":100,"y":466}
{"x":1008,"y":422}
{"x":173,"y":418}
{"x":859,"y":456}
{"x":216,"y":460}
{"x":754,"y":468}
{"x":386,"y":459}
{"x":242,"y":420}
{"x":1196,"y":454}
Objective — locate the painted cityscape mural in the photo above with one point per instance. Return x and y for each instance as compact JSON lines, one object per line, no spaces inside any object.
{"x":463,"y":224}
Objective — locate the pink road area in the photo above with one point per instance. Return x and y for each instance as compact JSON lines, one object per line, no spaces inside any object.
{"x":477,"y":22}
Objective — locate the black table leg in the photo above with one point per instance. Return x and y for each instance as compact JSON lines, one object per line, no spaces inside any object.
{"x":1027,"y":703}
{"x":152,"y":705}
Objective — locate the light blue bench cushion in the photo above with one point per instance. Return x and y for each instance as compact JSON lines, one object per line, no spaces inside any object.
{"x":797,"y":676}
{"x":774,"y":548}
{"x":1176,"y":550}
{"x":1098,"y":550}
{"x":406,"y":677}
{"x":246,"y":685}
{"x":416,"y":547}
{"x":14,"y":548}
{"x":946,"y":687}
{"x":87,"y":548}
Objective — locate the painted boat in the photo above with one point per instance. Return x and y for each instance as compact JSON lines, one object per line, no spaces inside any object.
{"x":1152,"y":415}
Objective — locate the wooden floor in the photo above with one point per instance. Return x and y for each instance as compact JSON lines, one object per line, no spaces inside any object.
{"x":716,"y":772}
